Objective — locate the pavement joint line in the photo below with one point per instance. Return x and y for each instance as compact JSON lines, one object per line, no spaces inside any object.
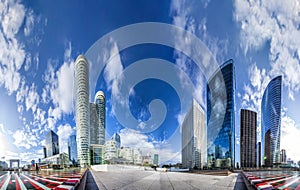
{"x":102,"y":184}
{"x":4,"y":187}
{"x":170,"y":181}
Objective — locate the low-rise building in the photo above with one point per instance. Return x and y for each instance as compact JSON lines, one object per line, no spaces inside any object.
{"x":57,"y":161}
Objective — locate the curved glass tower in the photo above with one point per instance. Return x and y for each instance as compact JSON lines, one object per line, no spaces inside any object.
{"x":220,"y":117}
{"x":270,"y":122}
{"x":100,"y":107}
{"x":82,"y":109}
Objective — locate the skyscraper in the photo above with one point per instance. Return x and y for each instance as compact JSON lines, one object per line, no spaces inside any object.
{"x":270,"y":122}
{"x":52,"y":146}
{"x":116,"y":137}
{"x":220,"y":117}
{"x":100,"y":107}
{"x":94,"y":125}
{"x":283,"y":156}
{"x":248,"y":151}
{"x":259,"y":154}
{"x":194,"y":138}
{"x":72,"y":149}
{"x":82,"y":109}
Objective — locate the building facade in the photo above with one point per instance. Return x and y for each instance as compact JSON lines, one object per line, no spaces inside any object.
{"x":259,"y":154}
{"x":52,"y":146}
{"x":283,"y":156}
{"x":57,"y":161}
{"x":96,"y":154}
{"x":155,"y":159}
{"x":193,"y":139}
{"x":94,"y":125}
{"x":116,"y":137}
{"x":248,"y":150}
{"x":270,"y":122}
{"x":72,"y":149}
{"x":111,"y":150}
{"x":81,"y":77}
{"x":100,"y":109}
{"x":220,"y":117}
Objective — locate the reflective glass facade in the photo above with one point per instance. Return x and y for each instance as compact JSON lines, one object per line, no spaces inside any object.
{"x":52,"y":146}
{"x":100,"y":109}
{"x":72,"y":149}
{"x":270,"y":122}
{"x":220,"y":117}
{"x":116,"y":137}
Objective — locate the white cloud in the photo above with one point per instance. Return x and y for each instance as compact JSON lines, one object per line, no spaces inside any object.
{"x":113,"y":75}
{"x":59,"y":85}
{"x":32,"y":99}
{"x":13,"y":16}
{"x":64,"y":132}
{"x":290,"y":134}
{"x":29,"y":23}
{"x":135,"y":139}
{"x":12,"y":52}
{"x":25,"y":140}
{"x":276,"y":23}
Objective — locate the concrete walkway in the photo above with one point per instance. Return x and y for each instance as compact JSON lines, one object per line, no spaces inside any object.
{"x":164,"y":180}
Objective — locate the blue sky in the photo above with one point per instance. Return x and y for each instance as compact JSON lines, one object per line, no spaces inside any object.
{"x":40,"y":40}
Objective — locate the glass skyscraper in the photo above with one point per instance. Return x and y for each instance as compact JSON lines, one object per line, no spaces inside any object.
{"x":82,"y":109}
{"x":52,"y":146}
{"x":100,"y":109}
{"x":220,"y":117}
{"x":116,"y":137}
{"x":94,"y":125}
{"x":72,"y":149}
{"x":270,"y":122}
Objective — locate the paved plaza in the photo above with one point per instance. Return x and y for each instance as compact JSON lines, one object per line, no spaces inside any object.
{"x":165,"y":180}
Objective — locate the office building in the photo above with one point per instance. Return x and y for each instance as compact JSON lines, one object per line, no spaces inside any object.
{"x":57,"y":161}
{"x":111,"y":150}
{"x":248,"y":151}
{"x":81,"y":77}
{"x":52,"y":146}
{"x":96,"y":154}
{"x":155,"y":159}
{"x":94,"y":125}
{"x":220,"y":117}
{"x":259,"y":154}
{"x":283,"y":156}
{"x":194,"y":138}
{"x":270,"y":122}
{"x":72,"y":149}
{"x":100,"y":108}
{"x":116,"y":137}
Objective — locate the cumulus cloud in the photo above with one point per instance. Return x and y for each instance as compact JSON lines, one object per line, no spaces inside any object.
{"x":32,"y":99}
{"x":59,"y":85}
{"x":276,"y":23}
{"x":25,"y":140}
{"x":135,"y":139}
{"x":64,"y":132}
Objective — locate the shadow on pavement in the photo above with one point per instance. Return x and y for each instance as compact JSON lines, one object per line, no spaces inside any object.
{"x":90,"y":182}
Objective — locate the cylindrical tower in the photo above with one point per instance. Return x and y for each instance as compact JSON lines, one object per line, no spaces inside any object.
{"x":100,"y":106}
{"x":82,"y":109}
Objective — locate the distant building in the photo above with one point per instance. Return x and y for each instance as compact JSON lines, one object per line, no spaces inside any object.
{"x":126,"y":153}
{"x":137,"y":156}
{"x":147,"y":160}
{"x":117,"y":138}
{"x":100,"y":107}
{"x":57,"y":161}
{"x":270,"y":122}
{"x":3,"y":165}
{"x":97,"y":154}
{"x":52,"y":145}
{"x":259,"y":154}
{"x":283,"y":156}
{"x":94,"y":125}
{"x":248,"y":151}
{"x":155,"y":159}
{"x":111,"y":150}
{"x":81,"y":97}
{"x":194,"y":138}
{"x":220,"y":117}
{"x":72,"y":149}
